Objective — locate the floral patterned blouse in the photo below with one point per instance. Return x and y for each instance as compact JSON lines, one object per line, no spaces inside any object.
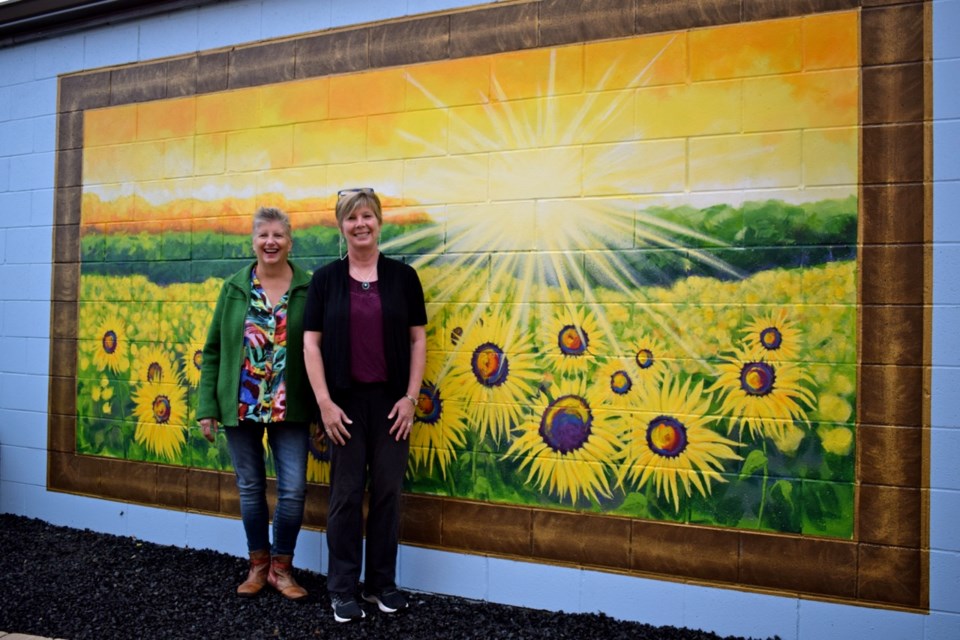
{"x":263,"y":389}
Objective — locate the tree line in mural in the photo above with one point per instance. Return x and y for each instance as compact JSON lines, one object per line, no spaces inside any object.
{"x":820,"y":232}
{"x":721,"y":391}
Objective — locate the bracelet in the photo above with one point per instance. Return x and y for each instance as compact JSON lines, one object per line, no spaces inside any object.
{"x":412,"y":400}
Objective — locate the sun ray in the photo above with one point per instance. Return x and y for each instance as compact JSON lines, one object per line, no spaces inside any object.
{"x":565,"y":234}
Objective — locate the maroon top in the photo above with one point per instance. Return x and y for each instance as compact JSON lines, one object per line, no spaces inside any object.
{"x":367,"y":361}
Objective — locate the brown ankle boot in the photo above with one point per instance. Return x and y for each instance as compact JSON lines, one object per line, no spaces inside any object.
{"x":281,"y":578}
{"x":257,"y":577}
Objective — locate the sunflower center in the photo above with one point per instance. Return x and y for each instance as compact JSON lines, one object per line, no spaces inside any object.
{"x":666,"y":436}
{"x":198,"y":359}
{"x":154,"y":372}
{"x":161,"y":409}
{"x":771,"y":338}
{"x":490,"y":365}
{"x":644,"y":358}
{"x":429,"y":405}
{"x":566,"y":423}
{"x":572,"y":340}
{"x":620,"y":382}
{"x":757,"y":378}
{"x":110,"y":341}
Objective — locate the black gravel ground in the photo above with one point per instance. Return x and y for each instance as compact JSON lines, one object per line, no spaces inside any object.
{"x":73,"y":584}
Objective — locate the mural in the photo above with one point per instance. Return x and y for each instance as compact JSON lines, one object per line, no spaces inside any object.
{"x":639,"y":256}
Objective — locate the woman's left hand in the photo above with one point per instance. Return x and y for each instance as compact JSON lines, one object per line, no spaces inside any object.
{"x":402,"y":415}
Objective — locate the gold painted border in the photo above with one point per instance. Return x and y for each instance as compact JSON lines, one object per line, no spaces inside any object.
{"x":886,"y":564}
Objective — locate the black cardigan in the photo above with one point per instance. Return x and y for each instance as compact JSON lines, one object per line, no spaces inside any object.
{"x":328,"y":311}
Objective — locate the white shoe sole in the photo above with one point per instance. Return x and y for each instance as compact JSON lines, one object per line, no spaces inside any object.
{"x":363,"y":614}
{"x":375,"y":600}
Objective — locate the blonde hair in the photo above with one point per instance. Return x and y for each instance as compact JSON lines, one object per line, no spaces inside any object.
{"x":352,"y":200}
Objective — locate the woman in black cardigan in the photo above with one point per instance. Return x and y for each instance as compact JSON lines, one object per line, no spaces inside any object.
{"x":365,"y":350}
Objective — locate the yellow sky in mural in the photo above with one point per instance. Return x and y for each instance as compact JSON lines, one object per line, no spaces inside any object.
{"x":699,"y":115}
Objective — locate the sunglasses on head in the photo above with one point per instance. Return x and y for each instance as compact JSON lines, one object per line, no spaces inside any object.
{"x":349,"y":192}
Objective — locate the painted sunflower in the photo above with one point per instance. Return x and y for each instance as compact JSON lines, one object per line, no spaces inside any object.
{"x":113,"y":349}
{"x":161,"y":410}
{"x":574,"y":334}
{"x":567,"y":447}
{"x":668,"y":440}
{"x":192,"y":356}
{"x":493,"y":376}
{"x":457,"y":324}
{"x":773,"y":336}
{"x":439,"y":426}
{"x":650,"y":360}
{"x":762,"y":395}
{"x":619,"y":379}
{"x":154,"y":364}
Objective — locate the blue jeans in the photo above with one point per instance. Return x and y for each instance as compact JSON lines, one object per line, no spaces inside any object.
{"x":288,"y":441}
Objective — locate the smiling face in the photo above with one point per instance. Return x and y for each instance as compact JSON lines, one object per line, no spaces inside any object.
{"x":271,"y":243}
{"x":361,"y":228}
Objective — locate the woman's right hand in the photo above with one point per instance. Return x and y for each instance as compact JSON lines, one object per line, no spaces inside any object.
{"x":334,"y":422}
{"x":208,"y":426}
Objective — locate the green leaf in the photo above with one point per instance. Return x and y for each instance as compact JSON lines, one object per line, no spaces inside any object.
{"x":786,"y":490}
{"x":755,"y":461}
{"x":827,"y":509}
{"x":634,"y":504}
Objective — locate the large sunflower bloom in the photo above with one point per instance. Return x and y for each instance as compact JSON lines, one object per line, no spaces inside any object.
{"x":160,"y":409}
{"x":773,"y":336}
{"x":493,"y":375}
{"x":566,"y":445}
{"x":112,"y":349}
{"x":763,"y":396}
{"x":439,"y":426}
{"x":668,"y":439}
{"x":574,"y":335}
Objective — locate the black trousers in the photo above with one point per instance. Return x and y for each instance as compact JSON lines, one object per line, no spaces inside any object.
{"x":371,"y":454}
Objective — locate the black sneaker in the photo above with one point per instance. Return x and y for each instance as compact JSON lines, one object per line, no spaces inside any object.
{"x":389,"y":600}
{"x":345,"y":607}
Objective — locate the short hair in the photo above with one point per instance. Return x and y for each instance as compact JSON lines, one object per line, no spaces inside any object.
{"x":271,"y":214}
{"x":352,"y":200}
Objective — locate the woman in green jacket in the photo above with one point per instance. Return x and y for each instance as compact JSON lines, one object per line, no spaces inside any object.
{"x":253,"y":379}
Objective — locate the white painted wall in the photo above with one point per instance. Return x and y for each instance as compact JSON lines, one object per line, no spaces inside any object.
{"x":28,"y":92}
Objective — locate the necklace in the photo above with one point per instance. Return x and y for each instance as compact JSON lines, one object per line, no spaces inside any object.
{"x":365,"y":282}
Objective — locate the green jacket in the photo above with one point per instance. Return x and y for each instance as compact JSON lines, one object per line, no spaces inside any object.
{"x":223,"y":352}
